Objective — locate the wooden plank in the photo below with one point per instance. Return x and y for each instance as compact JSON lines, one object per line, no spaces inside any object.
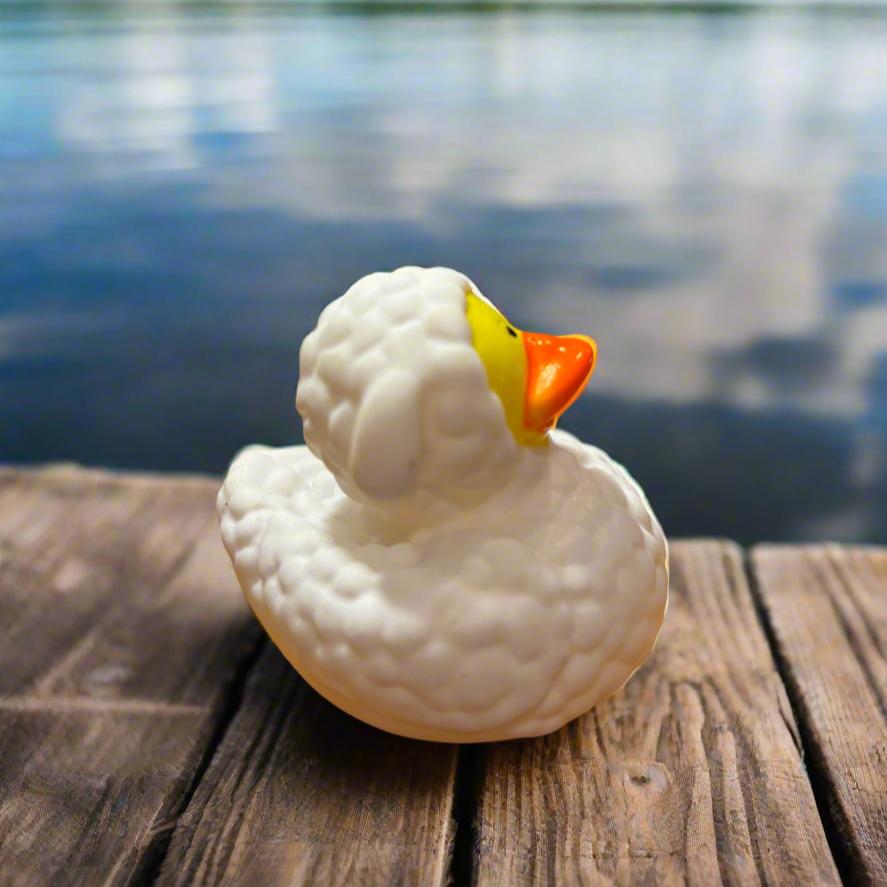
{"x":691,"y":774}
{"x":121,"y":633}
{"x":300,"y":793}
{"x":827,"y":606}
{"x":84,"y":534}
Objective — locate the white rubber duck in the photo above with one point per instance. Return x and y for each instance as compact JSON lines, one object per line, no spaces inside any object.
{"x":439,"y":561}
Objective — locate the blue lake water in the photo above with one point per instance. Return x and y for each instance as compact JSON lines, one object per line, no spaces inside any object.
{"x":181,"y":191}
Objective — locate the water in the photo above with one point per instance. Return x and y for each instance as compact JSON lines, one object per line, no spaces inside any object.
{"x":181,"y":191}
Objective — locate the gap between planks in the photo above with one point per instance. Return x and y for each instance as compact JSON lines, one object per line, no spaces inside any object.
{"x":824,"y":608}
{"x":805,"y":742}
{"x":465,"y":847}
{"x":691,"y":774}
{"x":158,"y":848}
{"x":123,"y":637}
{"x":300,"y":793}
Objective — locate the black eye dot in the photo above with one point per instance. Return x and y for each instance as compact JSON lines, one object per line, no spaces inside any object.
{"x":511,"y":332}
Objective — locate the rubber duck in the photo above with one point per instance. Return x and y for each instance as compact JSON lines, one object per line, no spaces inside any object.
{"x":440,"y":560}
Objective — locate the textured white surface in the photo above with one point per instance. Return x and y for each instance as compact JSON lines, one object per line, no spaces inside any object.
{"x":430,"y":576}
{"x":504,"y":620}
{"x":393,"y":396}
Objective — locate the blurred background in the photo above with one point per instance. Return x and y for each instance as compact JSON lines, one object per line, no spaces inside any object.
{"x":703,"y":189}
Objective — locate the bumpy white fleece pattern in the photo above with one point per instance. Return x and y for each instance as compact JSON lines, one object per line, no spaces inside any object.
{"x":393,"y":396}
{"x":430,"y":576}
{"x":503,"y":620}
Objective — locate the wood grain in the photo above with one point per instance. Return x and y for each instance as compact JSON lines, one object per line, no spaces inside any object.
{"x":691,"y":774}
{"x":827,"y":606}
{"x":300,"y":793}
{"x":125,"y":723}
{"x":121,"y":633}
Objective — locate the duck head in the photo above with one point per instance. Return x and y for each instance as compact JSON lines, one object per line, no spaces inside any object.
{"x":414,"y":385}
{"x":536,"y":376}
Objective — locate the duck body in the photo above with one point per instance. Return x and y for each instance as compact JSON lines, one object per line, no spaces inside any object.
{"x":458,"y":586}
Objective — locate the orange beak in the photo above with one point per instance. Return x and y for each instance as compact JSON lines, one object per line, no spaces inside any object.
{"x":558,"y":368}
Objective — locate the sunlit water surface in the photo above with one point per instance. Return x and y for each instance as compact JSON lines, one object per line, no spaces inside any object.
{"x":706,"y":194}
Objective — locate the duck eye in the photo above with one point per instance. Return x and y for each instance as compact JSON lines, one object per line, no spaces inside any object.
{"x":511,"y":332}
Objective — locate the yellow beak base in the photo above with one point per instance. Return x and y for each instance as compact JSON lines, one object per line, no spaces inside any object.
{"x":536,"y":377}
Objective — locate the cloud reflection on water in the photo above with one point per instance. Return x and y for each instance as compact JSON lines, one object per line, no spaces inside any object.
{"x":706,"y":194}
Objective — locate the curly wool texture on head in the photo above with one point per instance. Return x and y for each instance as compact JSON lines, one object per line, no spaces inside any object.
{"x":393,"y":396}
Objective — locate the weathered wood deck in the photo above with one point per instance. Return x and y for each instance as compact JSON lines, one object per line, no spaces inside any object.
{"x":150,"y":734}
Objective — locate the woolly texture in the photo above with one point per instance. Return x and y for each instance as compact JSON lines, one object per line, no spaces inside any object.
{"x":393,"y":396}
{"x":466,"y":589}
{"x":505,"y":620}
